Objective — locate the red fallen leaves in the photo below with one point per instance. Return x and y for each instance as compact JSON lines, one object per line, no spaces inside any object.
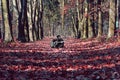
{"x":79,"y":59}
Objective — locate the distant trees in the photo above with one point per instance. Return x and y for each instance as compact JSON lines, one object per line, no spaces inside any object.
{"x":23,"y":20}
{"x":90,"y":15}
{"x":52,"y":17}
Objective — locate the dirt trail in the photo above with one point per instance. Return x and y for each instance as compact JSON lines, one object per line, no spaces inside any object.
{"x":78,"y":59}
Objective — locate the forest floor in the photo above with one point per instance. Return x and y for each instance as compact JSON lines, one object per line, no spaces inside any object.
{"x":91,"y":59}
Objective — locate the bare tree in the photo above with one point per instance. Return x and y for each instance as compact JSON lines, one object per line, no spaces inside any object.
{"x":111,"y":18}
{"x":7,"y":32}
{"x":29,"y":15}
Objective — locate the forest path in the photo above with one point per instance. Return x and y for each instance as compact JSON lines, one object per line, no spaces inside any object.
{"x":71,"y":46}
{"x":37,"y":61}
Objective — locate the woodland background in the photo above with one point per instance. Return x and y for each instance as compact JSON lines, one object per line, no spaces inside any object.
{"x":27,"y":20}
{"x":90,"y":29}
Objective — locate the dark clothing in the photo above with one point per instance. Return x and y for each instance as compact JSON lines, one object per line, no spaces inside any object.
{"x":57,"y":43}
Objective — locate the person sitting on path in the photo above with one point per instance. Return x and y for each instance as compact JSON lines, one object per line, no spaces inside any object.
{"x":57,"y":42}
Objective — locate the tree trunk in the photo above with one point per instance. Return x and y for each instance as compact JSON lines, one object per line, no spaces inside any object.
{"x":85,"y":29}
{"x":99,"y":24}
{"x":90,"y":28}
{"x":111,"y":19}
{"x":21,"y":25}
{"x":62,"y":16}
{"x":62,"y":3}
{"x":117,"y":14}
{"x":81,"y":19}
{"x":1,"y":23}
{"x":75,"y":31}
{"x":7,"y":34}
{"x":78,"y":18}
{"x":29,"y":15}
{"x":40,"y":20}
{"x":85,"y":22}
{"x":34,"y":19}
{"x":15,"y":15}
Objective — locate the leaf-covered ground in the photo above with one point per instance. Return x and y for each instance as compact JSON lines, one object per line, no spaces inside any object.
{"x":78,"y":60}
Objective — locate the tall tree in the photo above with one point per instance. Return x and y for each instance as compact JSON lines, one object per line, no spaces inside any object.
{"x":62,"y":5}
{"x":90,"y":28}
{"x":15,"y":15}
{"x":85,"y":22}
{"x":99,"y":21}
{"x":29,"y":15}
{"x":62,"y":16}
{"x":1,"y":21}
{"x":22,"y":21}
{"x":81,"y":18}
{"x":111,"y":18}
{"x":40,"y":19}
{"x":99,"y":24}
{"x":7,"y":33}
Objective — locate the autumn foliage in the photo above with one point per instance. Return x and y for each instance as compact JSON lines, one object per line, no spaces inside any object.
{"x":89,"y":59}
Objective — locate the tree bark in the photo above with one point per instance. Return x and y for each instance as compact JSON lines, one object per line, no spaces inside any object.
{"x":111,"y":19}
{"x":99,"y":24}
{"x":90,"y":28}
{"x":29,"y":15}
{"x":78,"y":17}
{"x":7,"y":33}
{"x":21,"y":25}
{"x":62,"y":4}
{"x":75,"y":31}
{"x":40,"y":20}
{"x":85,"y":22}
{"x":15,"y":15}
